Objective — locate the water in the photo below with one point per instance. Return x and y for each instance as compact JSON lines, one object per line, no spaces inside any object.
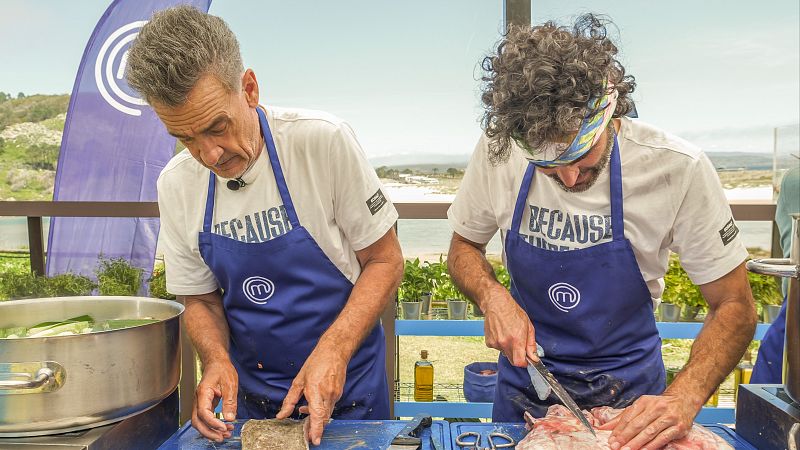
{"x":428,"y":238}
{"x":425,"y":238}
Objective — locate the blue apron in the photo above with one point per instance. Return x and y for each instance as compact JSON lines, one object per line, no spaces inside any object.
{"x":768,"y":368}
{"x":592,"y":313}
{"x":280,"y":296}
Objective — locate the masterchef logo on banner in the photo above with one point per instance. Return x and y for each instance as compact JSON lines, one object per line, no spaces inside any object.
{"x":109,"y":70}
{"x":564,"y":296}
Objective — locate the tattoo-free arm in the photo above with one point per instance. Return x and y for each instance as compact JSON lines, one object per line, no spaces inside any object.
{"x":322,"y":377}
{"x":204,"y":319}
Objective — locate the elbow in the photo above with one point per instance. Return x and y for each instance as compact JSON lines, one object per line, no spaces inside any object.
{"x":396,"y":263}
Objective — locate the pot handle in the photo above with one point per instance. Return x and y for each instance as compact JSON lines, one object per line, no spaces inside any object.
{"x":43,"y":376}
{"x":31,"y":378}
{"x":777,"y":267}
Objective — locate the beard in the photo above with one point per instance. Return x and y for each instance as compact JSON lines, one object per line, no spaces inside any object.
{"x":594,"y":172}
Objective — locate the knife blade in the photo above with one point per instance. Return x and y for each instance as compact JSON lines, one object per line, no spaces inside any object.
{"x":409,"y":438}
{"x":560,"y":392}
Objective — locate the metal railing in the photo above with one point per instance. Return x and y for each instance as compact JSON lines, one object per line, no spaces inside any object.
{"x":748,"y":210}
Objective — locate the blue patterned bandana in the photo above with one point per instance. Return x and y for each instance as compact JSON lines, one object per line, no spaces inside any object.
{"x":555,"y":154}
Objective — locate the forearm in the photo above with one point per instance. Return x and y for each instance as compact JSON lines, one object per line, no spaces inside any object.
{"x":728,"y":330}
{"x":207,"y":327}
{"x":471,"y":271}
{"x":374,"y":290}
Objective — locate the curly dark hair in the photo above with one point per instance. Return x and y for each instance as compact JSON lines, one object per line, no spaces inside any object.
{"x":539,"y":81}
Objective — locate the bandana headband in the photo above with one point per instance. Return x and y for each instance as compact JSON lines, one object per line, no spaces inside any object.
{"x":559,"y":154}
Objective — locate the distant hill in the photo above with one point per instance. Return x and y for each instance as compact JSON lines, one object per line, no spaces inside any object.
{"x":422,"y":162}
{"x":747,"y":161}
{"x":34,"y":108}
{"x":427,"y":162}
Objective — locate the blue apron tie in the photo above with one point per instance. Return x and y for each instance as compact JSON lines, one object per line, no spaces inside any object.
{"x":592,"y":313}
{"x":280,"y":296}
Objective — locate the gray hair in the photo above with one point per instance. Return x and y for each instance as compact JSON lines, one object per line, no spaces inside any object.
{"x":175,"y":49}
{"x":539,"y":80}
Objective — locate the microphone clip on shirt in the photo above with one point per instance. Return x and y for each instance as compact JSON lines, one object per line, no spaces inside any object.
{"x":236,"y":183}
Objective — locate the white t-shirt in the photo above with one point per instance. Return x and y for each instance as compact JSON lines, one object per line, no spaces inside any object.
{"x":673,"y":201}
{"x":335,"y":192}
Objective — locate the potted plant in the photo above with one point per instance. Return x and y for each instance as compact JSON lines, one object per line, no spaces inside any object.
{"x":680,"y":295}
{"x":435,"y":273}
{"x":767,"y":294}
{"x":456,"y":302}
{"x":412,"y":287}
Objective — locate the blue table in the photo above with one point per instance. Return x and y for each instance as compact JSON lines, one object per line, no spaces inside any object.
{"x":339,"y":435}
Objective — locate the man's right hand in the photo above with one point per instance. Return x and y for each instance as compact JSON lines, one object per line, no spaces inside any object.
{"x":507,"y":327}
{"x":220,"y":381}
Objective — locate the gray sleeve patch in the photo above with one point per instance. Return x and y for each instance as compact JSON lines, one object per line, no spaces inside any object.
{"x":728,"y":232}
{"x":376,"y":202}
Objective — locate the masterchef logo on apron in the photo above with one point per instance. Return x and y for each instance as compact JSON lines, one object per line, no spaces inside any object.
{"x":258,"y":289}
{"x":564,"y":296}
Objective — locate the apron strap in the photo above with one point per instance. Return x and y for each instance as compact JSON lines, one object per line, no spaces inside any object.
{"x":276,"y":169}
{"x":617,"y":222}
{"x":522,"y":198}
{"x":209,"y":215}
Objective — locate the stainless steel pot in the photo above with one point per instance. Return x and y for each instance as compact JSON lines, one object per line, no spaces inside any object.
{"x":58,"y":384}
{"x":788,"y":267}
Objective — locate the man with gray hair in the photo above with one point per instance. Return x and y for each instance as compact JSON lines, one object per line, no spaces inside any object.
{"x":276,"y":235}
{"x":557,"y":159}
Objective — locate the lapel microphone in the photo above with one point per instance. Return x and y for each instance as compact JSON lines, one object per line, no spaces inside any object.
{"x":236,"y":183}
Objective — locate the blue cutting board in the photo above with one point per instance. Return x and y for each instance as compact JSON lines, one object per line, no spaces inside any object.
{"x":339,"y":435}
{"x":517,"y":431}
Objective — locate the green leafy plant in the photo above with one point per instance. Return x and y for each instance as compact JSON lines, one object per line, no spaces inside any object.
{"x":415,"y":282}
{"x":18,"y":284}
{"x":502,"y":275}
{"x":679,"y":290}
{"x":158,"y":284}
{"x":766,"y":289}
{"x":116,"y":276}
{"x":447,"y":290}
{"x":444,"y":288}
{"x":436,"y":273}
{"x":68,"y":285}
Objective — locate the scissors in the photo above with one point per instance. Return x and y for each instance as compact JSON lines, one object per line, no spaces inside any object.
{"x":463,"y":440}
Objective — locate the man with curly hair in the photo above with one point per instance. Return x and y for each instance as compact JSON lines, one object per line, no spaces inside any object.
{"x":557,"y":162}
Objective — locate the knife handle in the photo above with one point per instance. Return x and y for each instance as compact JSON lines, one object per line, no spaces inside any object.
{"x":409,"y":435}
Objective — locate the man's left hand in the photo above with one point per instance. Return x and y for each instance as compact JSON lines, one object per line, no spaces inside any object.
{"x":651,"y":422}
{"x":321,"y":382}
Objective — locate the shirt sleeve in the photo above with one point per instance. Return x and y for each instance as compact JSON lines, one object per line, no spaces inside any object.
{"x":471,"y":214}
{"x":361,"y":208}
{"x":705,"y":236}
{"x":187,"y":273}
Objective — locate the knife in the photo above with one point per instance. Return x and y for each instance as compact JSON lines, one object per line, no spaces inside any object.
{"x":409,"y":437}
{"x":559,"y":391}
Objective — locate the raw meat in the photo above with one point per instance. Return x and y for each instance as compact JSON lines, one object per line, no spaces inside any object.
{"x":273,"y":434}
{"x":559,"y":429}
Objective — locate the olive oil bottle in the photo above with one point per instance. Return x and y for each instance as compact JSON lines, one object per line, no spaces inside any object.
{"x":423,"y":379}
{"x":741,"y":374}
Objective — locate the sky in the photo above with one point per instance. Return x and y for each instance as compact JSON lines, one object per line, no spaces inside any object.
{"x":405,"y":74}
